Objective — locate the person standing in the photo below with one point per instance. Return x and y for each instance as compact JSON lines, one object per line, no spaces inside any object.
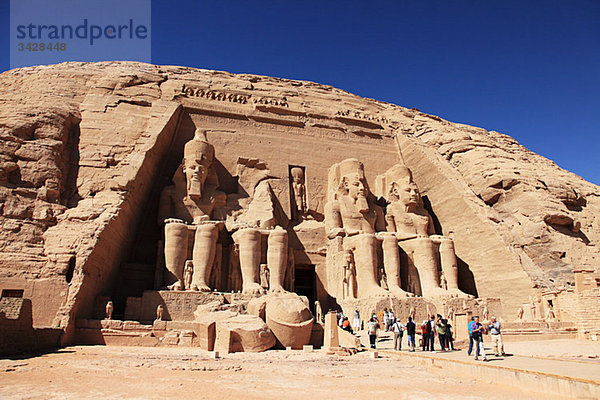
{"x":478,"y":339}
{"x":470,"y":328}
{"x":497,"y":344}
{"x":410,"y":333}
{"x":431,"y":334}
{"x":425,"y":340}
{"x":356,"y":321}
{"x":441,"y":330}
{"x":398,"y":330}
{"x":449,"y":338}
{"x":372,"y":327}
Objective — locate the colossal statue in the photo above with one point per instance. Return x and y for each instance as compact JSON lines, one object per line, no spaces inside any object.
{"x":351,"y":213}
{"x":186,"y":209}
{"x":413,"y":230}
{"x":259,"y":219}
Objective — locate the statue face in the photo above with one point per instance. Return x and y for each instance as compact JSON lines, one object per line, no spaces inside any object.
{"x":355,"y":186}
{"x":407,"y":194}
{"x":196,"y":172}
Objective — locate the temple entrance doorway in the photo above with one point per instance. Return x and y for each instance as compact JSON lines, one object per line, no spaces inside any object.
{"x":305,"y":283}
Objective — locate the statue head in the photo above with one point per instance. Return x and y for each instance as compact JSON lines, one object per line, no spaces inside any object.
{"x":297,"y":175}
{"x":397,"y":185}
{"x":198,"y":157}
{"x":349,"y":256}
{"x":347,"y":178}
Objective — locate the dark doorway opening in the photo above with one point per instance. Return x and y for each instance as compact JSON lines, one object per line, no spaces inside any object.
{"x":12,"y":293}
{"x":305,"y":283}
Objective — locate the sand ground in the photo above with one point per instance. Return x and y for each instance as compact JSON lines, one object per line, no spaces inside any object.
{"x":173,"y":373}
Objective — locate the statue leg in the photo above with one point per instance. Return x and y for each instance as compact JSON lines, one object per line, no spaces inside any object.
{"x":425,"y":260}
{"x":365,"y":260}
{"x":203,"y":254}
{"x":248,"y":240}
{"x":449,"y":264}
{"x":277,"y":251}
{"x":176,"y":250}
{"x":391,"y":263}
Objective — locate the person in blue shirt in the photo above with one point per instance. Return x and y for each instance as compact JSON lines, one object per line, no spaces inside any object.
{"x":471,"y":335}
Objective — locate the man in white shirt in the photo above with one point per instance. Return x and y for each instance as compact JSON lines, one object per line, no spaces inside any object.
{"x":398,"y":330}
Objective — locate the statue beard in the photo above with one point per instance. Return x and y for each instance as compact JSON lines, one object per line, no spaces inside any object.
{"x":194,"y":189}
{"x":362,"y":204}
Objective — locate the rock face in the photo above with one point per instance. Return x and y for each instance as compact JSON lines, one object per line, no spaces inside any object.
{"x":87,"y":148}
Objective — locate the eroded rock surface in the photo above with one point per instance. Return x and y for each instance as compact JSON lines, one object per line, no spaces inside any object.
{"x":85,"y":148}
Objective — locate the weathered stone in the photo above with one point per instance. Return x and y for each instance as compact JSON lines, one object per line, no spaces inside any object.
{"x":87,"y":148}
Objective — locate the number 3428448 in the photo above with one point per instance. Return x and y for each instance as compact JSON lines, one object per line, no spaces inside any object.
{"x":42,"y":46}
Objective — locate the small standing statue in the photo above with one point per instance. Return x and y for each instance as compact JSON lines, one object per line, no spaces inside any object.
{"x":383,"y":283}
{"x":533,"y":308}
{"x":550,"y":315}
{"x":485,"y":313}
{"x":188,"y":272}
{"x":299,"y":192}
{"x":444,"y":282}
{"x":450,"y":313}
{"x":318,"y":311}
{"x":520,"y":314}
{"x":264,"y":276}
{"x":109,"y":310}
{"x":411,"y":313}
{"x":349,"y":277}
{"x":159,"y":312}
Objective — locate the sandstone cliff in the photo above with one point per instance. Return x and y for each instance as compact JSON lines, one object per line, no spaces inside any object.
{"x":82,"y":146}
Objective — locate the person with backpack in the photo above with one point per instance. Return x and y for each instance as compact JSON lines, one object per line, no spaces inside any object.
{"x":431,"y":334}
{"x":410,"y":333}
{"x":398,"y":330}
{"x":470,"y":328}
{"x":477,"y":334}
{"x":372,"y":327}
{"x":346,"y":325}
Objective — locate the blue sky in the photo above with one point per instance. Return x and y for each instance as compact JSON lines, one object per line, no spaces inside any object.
{"x":529,"y":69}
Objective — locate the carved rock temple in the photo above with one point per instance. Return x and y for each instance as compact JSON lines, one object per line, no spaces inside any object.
{"x":153,"y":205}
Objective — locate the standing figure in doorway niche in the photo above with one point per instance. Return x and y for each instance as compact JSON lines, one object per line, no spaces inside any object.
{"x":351,"y":213}
{"x":186,"y":208}
{"x":412,"y":228}
{"x":109,"y":310}
{"x":299,"y":187}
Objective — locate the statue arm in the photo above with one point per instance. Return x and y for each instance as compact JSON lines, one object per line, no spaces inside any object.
{"x":165,"y":209}
{"x":379,"y":220}
{"x":430,"y":225}
{"x":333,"y":220}
{"x":390,"y":223}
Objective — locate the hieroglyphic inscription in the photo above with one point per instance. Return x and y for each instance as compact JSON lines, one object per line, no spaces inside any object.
{"x":239,"y":98}
{"x":179,"y":306}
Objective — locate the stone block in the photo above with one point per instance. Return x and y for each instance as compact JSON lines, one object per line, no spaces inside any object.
{"x":223,"y":340}
{"x":308,"y":348}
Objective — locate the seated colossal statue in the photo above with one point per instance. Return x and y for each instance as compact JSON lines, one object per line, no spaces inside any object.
{"x":410,"y":226}
{"x":186,"y":209}
{"x":351,"y":213}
